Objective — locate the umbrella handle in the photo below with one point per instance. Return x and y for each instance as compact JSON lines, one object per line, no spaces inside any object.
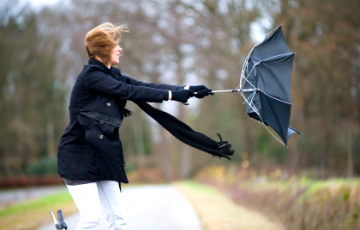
{"x":57,"y":224}
{"x":54,"y":218}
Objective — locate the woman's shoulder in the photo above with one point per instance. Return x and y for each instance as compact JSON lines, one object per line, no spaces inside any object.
{"x":93,"y":70}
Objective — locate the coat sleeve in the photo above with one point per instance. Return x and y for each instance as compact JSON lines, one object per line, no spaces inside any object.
{"x":151,"y":85}
{"x":100,"y":82}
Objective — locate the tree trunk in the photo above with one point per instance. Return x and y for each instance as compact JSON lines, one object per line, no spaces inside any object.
{"x":350,"y":161}
{"x":50,"y":139}
{"x":139,"y":142}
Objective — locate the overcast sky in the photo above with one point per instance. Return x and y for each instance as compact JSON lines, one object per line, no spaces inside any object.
{"x":40,"y":3}
{"x":256,"y":32}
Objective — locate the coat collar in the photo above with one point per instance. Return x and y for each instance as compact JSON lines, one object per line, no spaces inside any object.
{"x":93,"y":61}
{"x":114,"y":72}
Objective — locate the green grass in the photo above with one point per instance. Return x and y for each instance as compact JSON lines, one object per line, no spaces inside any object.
{"x":217,"y":211}
{"x":34,"y":213}
{"x":36,"y":204}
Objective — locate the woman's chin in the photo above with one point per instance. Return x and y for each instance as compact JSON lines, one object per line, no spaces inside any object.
{"x":114,"y":63}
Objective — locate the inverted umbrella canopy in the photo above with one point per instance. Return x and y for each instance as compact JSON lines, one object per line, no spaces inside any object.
{"x":265,"y":84}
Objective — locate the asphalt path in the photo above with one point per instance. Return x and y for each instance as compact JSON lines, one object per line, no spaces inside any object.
{"x":150,"y":207}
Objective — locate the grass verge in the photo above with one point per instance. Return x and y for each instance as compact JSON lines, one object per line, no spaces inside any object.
{"x":299,"y":203}
{"x":216,"y":211}
{"x":35,"y":213}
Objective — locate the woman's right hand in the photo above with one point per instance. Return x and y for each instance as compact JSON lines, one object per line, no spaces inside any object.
{"x":181,"y":95}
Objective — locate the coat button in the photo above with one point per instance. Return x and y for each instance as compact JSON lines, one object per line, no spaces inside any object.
{"x":108,"y":103}
{"x":101,"y":136}
{"x":101,"y":122}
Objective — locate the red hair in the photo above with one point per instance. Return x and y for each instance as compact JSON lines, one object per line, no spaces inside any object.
{"x":100,"y":40}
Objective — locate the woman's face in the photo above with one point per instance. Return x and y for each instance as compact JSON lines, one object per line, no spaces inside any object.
{"x":115,"y":55}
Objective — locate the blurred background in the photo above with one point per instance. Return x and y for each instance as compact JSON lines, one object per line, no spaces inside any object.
{"x":184,"y":42}
{"x":192,"y":42}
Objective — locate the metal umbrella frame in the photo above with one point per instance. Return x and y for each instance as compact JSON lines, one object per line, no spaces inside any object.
{"x":248,"y":90}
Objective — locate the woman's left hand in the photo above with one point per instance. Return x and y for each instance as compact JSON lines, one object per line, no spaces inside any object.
{"x":200,"y":91}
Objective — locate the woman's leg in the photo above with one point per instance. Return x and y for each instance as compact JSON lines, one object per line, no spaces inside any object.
{"x":113,"y":204}
{"x":86,"y":197}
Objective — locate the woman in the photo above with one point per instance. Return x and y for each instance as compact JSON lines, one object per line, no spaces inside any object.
{"x":90,"y":157}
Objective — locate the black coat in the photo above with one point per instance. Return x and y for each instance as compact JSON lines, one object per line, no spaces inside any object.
{"x":90,"y":148}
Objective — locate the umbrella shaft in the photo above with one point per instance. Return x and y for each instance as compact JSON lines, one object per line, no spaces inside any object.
{"x":226,"y":90}
{"x":233,"y":90}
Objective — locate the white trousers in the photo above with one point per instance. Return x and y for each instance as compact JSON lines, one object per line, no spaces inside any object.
{"x":91,"y":198}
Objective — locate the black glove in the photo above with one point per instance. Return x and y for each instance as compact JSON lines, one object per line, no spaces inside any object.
{"x":201,"y":90}
{"x":181,"y":95}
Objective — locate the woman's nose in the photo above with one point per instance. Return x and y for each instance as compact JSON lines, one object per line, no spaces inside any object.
{"x":120,"y":49}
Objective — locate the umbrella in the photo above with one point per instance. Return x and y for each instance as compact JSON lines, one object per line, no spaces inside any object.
{"x":61,"y":225}
{"x":265,"y":84}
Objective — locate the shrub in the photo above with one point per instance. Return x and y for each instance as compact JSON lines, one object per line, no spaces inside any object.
{"x":299,"y":205}
{"x":43,"y":166}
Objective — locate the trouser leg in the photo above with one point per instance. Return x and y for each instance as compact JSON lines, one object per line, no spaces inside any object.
{"x":86,"y":197}
{"x":113,"y":204}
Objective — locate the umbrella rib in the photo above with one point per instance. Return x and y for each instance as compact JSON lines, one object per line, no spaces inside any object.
{"x":245,"y":65}
{"x":262,"y":121}
{"x":244,"y":79}
{"x":282,"y":88}
{"x":252,"y":95}
{"x":271,"y":58}
{"x":252,"y":49}
{"x":273,"y":134}
{"x":275,"y":57}
{"x":277,"y":120}
{"x":253,"y":107}
{"x":286,"y":102}
{"x":268,"y":59}
{"x":252,"y":69}
{"x":257,"y":89}
{"x":266,"y":36}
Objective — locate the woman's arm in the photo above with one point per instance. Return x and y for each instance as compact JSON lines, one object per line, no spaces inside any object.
{"x":117,"y":74}
{"x":152,"y":85}
{"x":201,"y":90}
{"x":100,"y":82}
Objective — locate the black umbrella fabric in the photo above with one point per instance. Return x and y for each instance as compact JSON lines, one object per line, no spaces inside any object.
{"x":265,"y":84}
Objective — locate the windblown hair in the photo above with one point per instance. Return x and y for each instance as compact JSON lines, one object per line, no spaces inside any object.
{"x":100,"y":40}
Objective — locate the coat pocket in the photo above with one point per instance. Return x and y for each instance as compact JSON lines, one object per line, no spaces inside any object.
{"x":110,"y":130}
{"x":101,"y":137}
{"x":85,"y":121}
{"x":106,"y":125}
